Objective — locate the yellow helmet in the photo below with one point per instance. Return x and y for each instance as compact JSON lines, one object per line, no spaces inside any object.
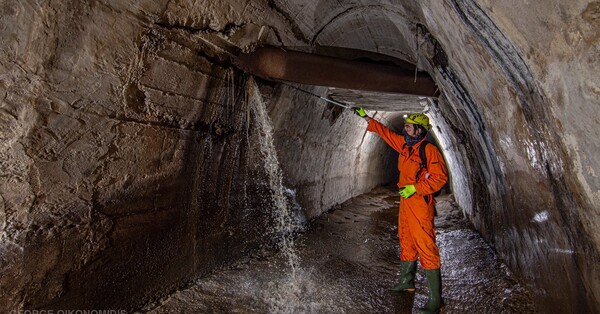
{"x":419,"y":119}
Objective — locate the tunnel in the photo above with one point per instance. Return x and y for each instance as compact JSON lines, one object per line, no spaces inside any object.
{"x":133,"y":144}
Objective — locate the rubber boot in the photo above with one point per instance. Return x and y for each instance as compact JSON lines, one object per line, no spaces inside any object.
{"x":407,"y":277}
{"x":435,"y":302}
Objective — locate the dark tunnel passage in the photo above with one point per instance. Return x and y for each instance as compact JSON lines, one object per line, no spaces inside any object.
{"x":138,"y":159}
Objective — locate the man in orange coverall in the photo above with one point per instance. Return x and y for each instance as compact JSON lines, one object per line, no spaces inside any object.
{"x":417,"y":205}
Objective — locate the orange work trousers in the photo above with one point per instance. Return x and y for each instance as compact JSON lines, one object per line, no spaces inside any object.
{"x":416,"y":232}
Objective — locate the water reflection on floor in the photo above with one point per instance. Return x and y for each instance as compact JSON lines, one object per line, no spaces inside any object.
{"x":349,"y":258}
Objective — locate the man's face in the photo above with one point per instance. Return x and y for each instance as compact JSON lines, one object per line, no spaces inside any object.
{"x":410,"y":130}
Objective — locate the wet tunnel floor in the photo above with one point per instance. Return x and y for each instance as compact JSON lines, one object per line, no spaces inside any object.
{"x":348,"y":260}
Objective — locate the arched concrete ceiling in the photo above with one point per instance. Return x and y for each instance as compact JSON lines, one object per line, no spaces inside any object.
{"x":370,"y":27}
{"x":385,"y":29}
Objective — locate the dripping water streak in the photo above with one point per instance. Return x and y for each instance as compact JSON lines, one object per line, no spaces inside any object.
{"x":289,"y":294}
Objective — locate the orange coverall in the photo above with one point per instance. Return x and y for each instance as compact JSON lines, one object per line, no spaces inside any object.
{"x":415,"y":219}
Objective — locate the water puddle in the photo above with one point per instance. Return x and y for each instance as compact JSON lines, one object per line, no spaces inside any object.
{"x":346,"y":263}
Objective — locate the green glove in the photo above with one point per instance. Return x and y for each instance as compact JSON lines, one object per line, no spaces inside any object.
{"x":360,"y":111}
{"x":407,"y":191}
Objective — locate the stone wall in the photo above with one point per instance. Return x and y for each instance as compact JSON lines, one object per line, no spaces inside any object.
{"x":128,"y":160}
{"x":521,"y":96}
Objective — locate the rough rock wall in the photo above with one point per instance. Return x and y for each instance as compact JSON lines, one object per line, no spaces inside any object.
{"x":127,"y":153}
{"x":521,"y":84}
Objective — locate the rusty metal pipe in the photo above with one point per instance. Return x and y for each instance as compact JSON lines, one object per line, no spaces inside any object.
{"x":277,"y":64}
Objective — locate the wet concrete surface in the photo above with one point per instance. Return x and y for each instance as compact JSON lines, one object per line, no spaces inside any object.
{"x":348,"y":260}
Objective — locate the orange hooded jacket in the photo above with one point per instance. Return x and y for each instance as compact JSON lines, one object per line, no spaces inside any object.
{"x":409,"y":162}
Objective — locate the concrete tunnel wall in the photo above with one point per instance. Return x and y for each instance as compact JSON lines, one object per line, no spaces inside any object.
{"x":129,"y":161}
